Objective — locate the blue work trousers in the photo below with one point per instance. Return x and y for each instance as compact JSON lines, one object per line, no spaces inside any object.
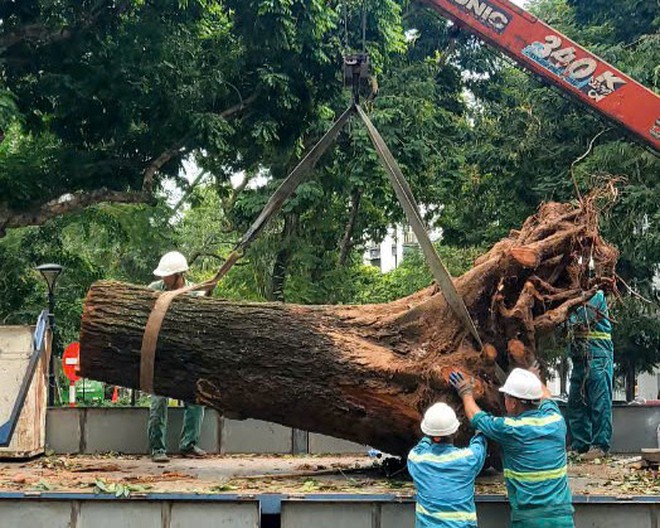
{"x":590,"y":403}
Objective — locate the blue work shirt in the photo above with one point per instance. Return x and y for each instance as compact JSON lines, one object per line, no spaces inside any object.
{"x":533,"y":455}
{"x":592,"y":329}
{"x":444,"y":477}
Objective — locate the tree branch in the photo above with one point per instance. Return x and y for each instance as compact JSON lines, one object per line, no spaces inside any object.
{"x":74,"y":202}
{"x":67,"y":203}
{"x":239,"y":107}
{"x":189,"y":191}
{"x":228,"y":204}
{"x":346,"y":243}
{"x":44,"y":35}
{"x":34,"y":33}
{"x":582,"y":157}
{"x":157,"y":163}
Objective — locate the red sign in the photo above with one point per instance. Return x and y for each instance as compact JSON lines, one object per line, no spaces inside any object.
{"x":71,"y":361}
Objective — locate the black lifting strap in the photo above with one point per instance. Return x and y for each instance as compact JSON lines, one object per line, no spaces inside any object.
{"x":274,"y":205}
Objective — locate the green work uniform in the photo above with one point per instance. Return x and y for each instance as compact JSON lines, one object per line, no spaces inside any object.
{"x":590,"y":394}
{"x":534,"y":459}
{"x":193,"y":415}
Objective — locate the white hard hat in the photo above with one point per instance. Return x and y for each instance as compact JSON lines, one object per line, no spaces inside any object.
{"x":440,"y":420}
{"x":523,"y":384}
{"x":170,"y":264}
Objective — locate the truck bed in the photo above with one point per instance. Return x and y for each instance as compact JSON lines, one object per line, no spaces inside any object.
{"x":251,"y":474}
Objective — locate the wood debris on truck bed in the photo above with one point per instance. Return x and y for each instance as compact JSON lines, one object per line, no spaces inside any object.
{"x":126,"y":475}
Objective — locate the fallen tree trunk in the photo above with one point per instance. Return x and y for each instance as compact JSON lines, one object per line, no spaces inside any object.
{"x":364,"y":373}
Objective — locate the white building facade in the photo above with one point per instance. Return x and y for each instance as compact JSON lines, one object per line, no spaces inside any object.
{"x":388,"y":254}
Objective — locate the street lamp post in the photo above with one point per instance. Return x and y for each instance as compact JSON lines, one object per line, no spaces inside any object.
{"x":50,"y":273}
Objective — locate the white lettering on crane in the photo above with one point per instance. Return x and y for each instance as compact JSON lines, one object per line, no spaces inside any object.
{"x":605,"y":84}
{"x":611,"y":81}
{"x":562,"y":61}
{"x":484,"y":12}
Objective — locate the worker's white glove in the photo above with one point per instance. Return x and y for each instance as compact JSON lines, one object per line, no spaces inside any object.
{"x":462,"y":385}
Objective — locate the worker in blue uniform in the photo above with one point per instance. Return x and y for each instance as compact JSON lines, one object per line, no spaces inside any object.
{"x":444,"y":475}
{"x":590,"y":394}
{"x":533,"y":441}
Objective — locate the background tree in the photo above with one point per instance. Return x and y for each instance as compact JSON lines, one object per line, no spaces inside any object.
{"x":112,"y":95}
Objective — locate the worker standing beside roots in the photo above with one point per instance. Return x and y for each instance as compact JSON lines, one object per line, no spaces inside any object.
{"x":533,"y":441}
{"x":171,"y":269}
{"x":444,"y":475}
{"x":590,"y":394}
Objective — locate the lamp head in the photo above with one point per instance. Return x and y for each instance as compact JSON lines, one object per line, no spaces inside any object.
{"x":50,"y":273}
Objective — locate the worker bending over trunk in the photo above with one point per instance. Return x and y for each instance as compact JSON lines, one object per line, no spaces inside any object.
{"x":590,"y":394}
{"x":171,"y":269}
{"x":444,"y":475}
{"x":533,"y":440}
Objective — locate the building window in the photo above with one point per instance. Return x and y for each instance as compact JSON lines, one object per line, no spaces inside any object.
{"x":409,"y":238}
{"x":374,"y":256}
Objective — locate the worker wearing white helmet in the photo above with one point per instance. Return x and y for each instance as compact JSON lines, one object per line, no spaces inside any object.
{"x":171,"y":270}
{"x":444,"y":475}
{"x":533,"y":441}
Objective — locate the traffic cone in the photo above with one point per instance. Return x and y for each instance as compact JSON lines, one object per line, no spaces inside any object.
{"x":115,"y":394}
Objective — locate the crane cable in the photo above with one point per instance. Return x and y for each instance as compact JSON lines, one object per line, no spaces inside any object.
{"x":364,"y":27}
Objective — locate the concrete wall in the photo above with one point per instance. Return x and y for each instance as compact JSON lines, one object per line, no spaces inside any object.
{"x":634,"y":427}
{"x":90,"y":430}
{"x":124,"y":430}
{"x":491,"y":514}
{"x":55,"y":510}
{"x":648,"y":385}
{"x":127,"y":514}
{"x":121,"y":429}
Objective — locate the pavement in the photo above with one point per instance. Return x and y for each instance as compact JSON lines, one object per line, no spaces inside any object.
{"x":251,"y":474}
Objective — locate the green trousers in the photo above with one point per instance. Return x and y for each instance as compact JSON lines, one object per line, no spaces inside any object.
{"x":557,"y":516}
{"x":190,"y":432}
{"x":590,"y":403}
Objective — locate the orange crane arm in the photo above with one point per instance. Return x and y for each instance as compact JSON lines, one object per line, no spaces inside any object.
{"x":557,"y":59}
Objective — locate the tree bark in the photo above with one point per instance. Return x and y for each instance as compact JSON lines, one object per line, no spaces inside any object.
{"x":66,"y":204}
{"x":364,"y":373}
